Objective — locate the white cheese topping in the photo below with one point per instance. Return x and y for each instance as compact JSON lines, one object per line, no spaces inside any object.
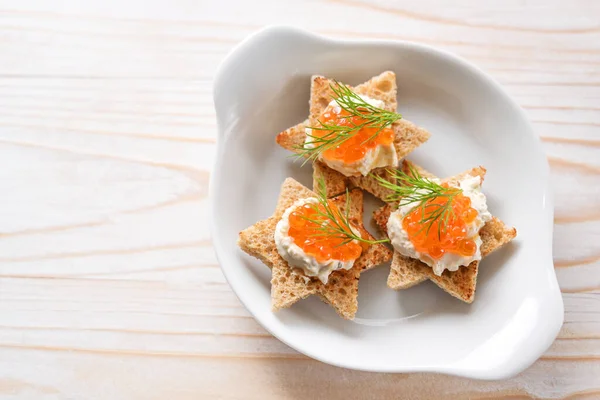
{"x":471,"y":187}
{"x":380,"y":156}
{"x":296,"y":257}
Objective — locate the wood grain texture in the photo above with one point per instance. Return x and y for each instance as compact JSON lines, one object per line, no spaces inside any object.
{"x":109,"y":288}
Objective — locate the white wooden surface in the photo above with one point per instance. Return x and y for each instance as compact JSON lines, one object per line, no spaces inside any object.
{"x":109,"y":288}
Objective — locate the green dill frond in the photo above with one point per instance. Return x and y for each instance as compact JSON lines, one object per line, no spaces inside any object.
{"x":355,"y":106}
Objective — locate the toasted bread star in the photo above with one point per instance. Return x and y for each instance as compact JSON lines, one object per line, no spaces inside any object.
{"x":407,"y":272}
{"x":288,"y":285}
{"x":382,"y":87}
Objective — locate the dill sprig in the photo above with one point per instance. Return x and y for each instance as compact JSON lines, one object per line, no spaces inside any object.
{"x":413,"y":188}
{"x":331,"y":222}
{"x":355,"y":106}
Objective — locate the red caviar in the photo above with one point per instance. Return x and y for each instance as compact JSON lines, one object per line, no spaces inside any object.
{"x":356,"y":147}
{"x":308,"y":235}
{"x":451,"y":237}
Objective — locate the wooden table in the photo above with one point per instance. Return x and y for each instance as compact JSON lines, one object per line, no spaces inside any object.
{"x":109,"y":287}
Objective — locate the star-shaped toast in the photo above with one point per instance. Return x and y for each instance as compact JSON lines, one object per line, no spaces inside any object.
{"x":383,"y":87}
{"x":406,"y":272}
{"x":288,"y":285}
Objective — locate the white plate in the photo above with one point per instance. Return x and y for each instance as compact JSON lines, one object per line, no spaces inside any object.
{"x":262,"y":88}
